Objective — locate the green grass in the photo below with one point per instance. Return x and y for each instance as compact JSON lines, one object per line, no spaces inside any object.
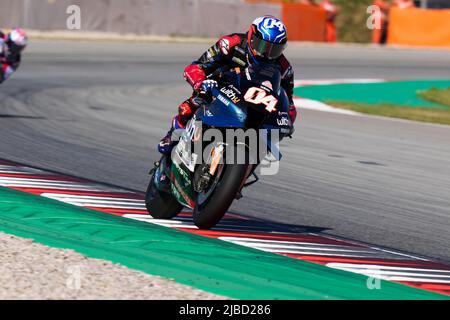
{"x":441,"y":96}
{"x":439,"y":116}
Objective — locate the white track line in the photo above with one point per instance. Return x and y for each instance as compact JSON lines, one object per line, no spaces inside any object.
{"x":294,"y":249}
{"x":391,"y":252}
{"x":309,"y":104}
{"x":396,"y":275}
{"x":381,"y":267}
{"x":268,"y":241}
{"x":188,"y":224}
{"x":56,"y":187}
{"x":315,"y":253}
{"x":53,"y":184}
{"x":293,"y":244}
{"x":14,"y":169}
{"x":106,"y":206}
{"x":89,"y":197}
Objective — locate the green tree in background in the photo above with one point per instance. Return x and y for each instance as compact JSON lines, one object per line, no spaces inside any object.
{"x":351,"y":23}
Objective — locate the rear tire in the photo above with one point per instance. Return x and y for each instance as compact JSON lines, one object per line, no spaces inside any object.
{"x":161,"y":205}
{"x":214,"y":208}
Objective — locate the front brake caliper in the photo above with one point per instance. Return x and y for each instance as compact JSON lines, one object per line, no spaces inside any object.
{"x":202,"y":178}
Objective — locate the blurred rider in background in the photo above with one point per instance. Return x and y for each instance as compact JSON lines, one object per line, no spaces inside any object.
{"x":11,"y":47}
{"x":379,"y":35}
{"x":403,"y":4}
{"x":265,"y":42}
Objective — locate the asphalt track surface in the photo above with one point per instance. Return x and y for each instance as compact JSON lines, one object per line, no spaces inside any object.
{"x":97,"y":111}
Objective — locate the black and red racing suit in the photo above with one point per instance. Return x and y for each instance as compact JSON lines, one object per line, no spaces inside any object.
{"x":228,"y":53}
{"x":9,"y":62}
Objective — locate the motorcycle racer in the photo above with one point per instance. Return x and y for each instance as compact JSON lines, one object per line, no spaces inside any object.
{"x":265,"y":42}
{"x":11,"y":47}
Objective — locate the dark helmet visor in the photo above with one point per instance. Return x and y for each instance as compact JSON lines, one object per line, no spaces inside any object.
{"x":14,"y":48}
{"x":267,"y":49}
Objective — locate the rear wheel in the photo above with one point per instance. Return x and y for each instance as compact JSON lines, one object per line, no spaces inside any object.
{"x":215,"y":202}
{"x":159,"y":204}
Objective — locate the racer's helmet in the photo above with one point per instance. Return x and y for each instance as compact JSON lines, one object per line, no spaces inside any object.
{"x":267,"y":38}
{"x":16,"y":40}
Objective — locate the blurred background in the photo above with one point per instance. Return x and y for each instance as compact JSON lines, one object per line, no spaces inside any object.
{"x":404,"y":22}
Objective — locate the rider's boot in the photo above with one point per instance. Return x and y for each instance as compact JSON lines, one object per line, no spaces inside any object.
{"x":166,"y":144}
{"x":185,"y":113}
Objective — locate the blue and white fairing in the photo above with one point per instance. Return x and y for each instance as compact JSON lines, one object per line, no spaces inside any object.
{"x":251,"y":99}
{"x":232,"y":107}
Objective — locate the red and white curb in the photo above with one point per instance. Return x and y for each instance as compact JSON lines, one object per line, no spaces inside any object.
{"x":271,"y":237}
{"x":316,"y":105}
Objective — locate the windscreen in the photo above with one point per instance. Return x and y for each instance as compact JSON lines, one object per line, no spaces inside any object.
{"x":267,"y":76}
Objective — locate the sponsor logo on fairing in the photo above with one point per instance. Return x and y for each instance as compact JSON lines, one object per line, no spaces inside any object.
{"x":267,"y":85}
{"x":210,"y":54}
{"x":225,"y":46}
{"x":283,"y":121}
{"x":238,"y":61}
{"x":247,"y":74}
{"x":231,"y":93}
{"x":224,"y":100}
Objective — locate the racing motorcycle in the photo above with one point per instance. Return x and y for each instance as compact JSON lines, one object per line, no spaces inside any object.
{"x":207,"y":176}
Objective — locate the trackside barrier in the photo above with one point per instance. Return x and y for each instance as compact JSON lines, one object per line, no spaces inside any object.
{"x":304,"y":22}
{"x":419,"y":27}
{"x":145,"y":17}
{"x":165,"y":17}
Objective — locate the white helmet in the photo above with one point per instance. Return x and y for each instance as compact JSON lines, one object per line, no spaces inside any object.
{"x":17,"y":40}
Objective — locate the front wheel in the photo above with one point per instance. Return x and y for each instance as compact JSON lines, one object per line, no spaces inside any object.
{"x":211,"y":210}
{"x":159,"y":204}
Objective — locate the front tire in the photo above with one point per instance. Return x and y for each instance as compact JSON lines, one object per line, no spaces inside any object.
{"x":159,"y":204}
{"x":210,"y":212}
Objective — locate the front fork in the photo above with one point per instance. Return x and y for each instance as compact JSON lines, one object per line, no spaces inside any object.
{"x":250,"y":172}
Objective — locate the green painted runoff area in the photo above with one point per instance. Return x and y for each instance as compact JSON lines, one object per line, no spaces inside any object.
{"x":208,"y":264}
{"x":401,"y":93}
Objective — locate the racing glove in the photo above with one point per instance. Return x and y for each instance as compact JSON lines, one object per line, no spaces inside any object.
{"x":195,"y":75}
{"x":207,"y":86}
